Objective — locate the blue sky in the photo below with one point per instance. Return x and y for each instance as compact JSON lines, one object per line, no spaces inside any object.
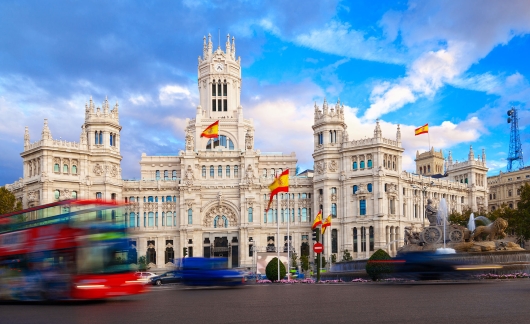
{"x":457,"y":65}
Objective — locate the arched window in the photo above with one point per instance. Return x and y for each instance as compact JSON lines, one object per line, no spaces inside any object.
{"x":100,"y":138}
{"x":369,"y":186}
{"x":225,"y":221}
{"x":333,"y":210}
{"x":131,"y":199}
{"x":65,"y":168}
{"x":334,"y":241}
{"x":386,"y":187}
{"x":212,"y":172}
{"x":56,"y":194}
{"x":264,"y":173}
{"x":204,"y":171}
{"x":362,"y":207}
{"x":236,"y":171}
{"x":99,"y":195}
{"x":174,"y":174}
{"x":190,"y":216}
{"x":369,"y":164}
{"x":163,"y":218}
{"x":169,"y":219}
{"x":56,"y":167}
{"x":228,"y":171}
{"x":355,"y":189}
{"x":132,"y":220}
{"x":222,"y":142}
{"x":150,"y":199}
{"x":74,"y":169}
{"x":166,"y":175}
{"x":371,"y":237}
{"x":157,"y":175}
{"x":250,"y":216}
{"x":220,"y":171}
{"x":168,"y":198}
{"x":429,"y":168}
{"x":96,"y":138}
{"x":363,"y":239}
{"x":362,"y":164}
{"x":304,"y":215}
{"x":151,"y":219}
{"x":74,"y":194}
{"x":355,"y":239}
{"x":156,"y":198}
{"x":110,"y":137}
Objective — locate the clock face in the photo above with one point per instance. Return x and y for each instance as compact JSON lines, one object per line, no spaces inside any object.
{"x":219,"y":67}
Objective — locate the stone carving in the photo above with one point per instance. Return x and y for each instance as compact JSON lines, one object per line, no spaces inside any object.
{"x":114,"y":171}
{"x":151,"y":206}
{"x":249,"y":139}
{"x":411,"y":237}
{"x":98,"y":169}
{"x":320,"y":167}
{"x":333,"y":166}
{"x":32,"y":196}
{"x":64,"y":194}
{"x":495,"y":229}
{"x":431,"y":213}
{"x":189,"y":140}
{"x":188,"y":177}
{"x":219,"y":211}
{"x":249,"y":175}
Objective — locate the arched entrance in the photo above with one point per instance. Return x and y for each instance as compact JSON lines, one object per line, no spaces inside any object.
{"x":221,"y":235}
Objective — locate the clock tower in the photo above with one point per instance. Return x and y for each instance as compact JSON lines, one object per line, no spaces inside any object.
{"x":219,"y":80}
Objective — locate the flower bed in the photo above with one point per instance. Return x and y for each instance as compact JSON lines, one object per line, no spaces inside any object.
{"x":517,"y":275}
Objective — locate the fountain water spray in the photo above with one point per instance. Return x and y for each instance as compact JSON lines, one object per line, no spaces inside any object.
{"x":442,"y":220}
{"x":471,"y":224}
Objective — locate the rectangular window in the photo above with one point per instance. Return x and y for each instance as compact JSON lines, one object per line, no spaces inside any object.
{"x":236,"y":171}
{"x":219,"y":105}
{"x":250,"y":216}
{"x":225,"y":105}
{"x":333,"y":210}
{"x":220,"y":171}
{"x":362,"y":206}
{"x":228,"y":171}
{"x":157,"y":175}
{"x":304,"y":215}
{"x":371,"y":234}
{"x":213,"y":89}
{"x":190,"y":216}
{"x":132,"y":221}
{"x":213,"y":104}
{"x":355,"y":239}
{"x":174,"y":174}
{"x":224,"y":89}
{"x":218,"y":89}
{"x":166,"y":175}
{"x":151,"y":220}
{"x":363,"y":239}
{"x":212,"y":172}
{"x":334,"y":241}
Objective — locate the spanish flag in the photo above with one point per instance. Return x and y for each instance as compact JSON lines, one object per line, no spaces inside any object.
{"x":327,"y":223}
{"x":280,"y":184}
{"x":422,"y":130}
{"x":318,"y":220}
{"x":211,"y":131}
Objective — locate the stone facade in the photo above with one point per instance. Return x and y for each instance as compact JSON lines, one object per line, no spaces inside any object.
{"x":505,"y":188}
{"x":211,"y":196}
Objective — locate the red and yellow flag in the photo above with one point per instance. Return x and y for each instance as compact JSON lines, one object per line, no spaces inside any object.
{"x":327,"y":223}
{"x":280,"y":184}
{"x":318,"y":220}
{"x":211,"y":131}
{"x":422,"y":130}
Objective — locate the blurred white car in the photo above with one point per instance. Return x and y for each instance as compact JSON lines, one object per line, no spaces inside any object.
{"x":144,"y":276}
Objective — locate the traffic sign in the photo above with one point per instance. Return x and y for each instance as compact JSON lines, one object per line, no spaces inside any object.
{"x":318,"y":247}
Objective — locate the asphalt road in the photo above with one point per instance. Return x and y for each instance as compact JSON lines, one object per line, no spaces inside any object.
{"x":455,"y":302}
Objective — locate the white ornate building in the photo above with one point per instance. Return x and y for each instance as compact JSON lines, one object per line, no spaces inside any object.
{"x":211,"y":196}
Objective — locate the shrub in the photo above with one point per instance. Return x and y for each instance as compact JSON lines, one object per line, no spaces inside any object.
{"x":142,"y":263}
{"x":272,"y":270}
{"x":305,"y":262}
{"x":377,"y":269}
{"x":347,"y":256}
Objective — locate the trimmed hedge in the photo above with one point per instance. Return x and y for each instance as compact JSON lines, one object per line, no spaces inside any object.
{"x":376,"y":270}
{"x":272,"y":270}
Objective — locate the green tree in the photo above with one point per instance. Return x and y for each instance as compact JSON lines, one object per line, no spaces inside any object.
{"x":142,"y":263}
{"x":460,"y":218}
{"x":8,"y":202}
{"x":518,"y":219}
{"x":377,"y":269}
{"x":323,"y":263}
{"x":304,"y":260}
{"x":294,"y":260}
{"x":271,"y":271}
{"x":347,"y":256}
{"x":333,"y":258}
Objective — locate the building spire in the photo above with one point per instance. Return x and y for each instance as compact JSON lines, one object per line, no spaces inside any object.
{"x":233,"y":53}
{"x":26,"y":137}
{"x":398,"y":134}
{"x":377,"y":130}
{"x":471,"y":155}
{"x":228,"y":44}
{"x":46,"y":134}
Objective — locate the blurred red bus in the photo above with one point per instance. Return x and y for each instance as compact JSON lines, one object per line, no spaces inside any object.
{"x":75,"y":249}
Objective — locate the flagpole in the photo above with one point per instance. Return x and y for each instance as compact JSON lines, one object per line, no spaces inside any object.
{"x":278,"y":229}
{"x":288,"y":239}
{"x":429,"y":137}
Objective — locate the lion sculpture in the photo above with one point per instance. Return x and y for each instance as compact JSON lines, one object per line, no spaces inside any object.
{"x":495,"y":229}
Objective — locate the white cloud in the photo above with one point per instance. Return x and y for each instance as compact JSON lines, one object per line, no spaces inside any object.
{"x":139,"y":99}
{"x":171,"y":93}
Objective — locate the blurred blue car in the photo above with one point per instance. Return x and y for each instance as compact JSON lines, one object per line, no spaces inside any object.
{"x":209,"y":272}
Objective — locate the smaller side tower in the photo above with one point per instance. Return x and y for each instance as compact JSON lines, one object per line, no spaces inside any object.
{"x":430,"y":163}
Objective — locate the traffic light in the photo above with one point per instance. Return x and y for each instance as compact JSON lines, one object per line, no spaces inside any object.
{"x":184,"y":252}
{"x":316,"y":235}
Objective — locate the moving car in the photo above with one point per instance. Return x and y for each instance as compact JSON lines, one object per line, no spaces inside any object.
{"x":144,"y":276}
{"x":166,"y":278}
{"x":209,"y":272}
